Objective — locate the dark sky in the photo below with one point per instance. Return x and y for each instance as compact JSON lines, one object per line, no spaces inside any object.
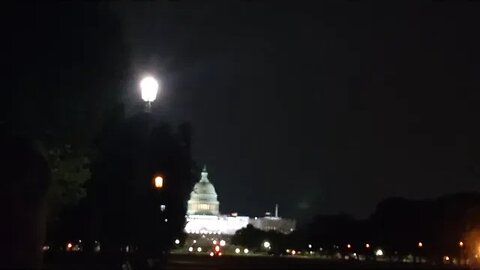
{"x":323,"y":109}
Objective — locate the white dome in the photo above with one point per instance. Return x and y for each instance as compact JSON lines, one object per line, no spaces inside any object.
{"x":203,"y":198}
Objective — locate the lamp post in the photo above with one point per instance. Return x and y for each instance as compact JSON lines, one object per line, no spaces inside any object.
{"x":149,"y":87}
{"x":460,"y":259}
{"x":266,"y":245}
{"x":419,"y":257}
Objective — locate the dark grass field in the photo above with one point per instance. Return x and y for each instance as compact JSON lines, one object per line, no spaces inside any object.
{"x":188,"y":262}
{"x":204,"y":262}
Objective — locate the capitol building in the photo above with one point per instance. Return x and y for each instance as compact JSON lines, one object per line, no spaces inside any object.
{"x":203,"y":214}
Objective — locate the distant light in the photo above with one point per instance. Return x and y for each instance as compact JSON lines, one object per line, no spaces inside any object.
{"x":309,"y":245}
{"x":177,"y":241}
{"x":217,"y":248}
{"x":367,"y":245}
{"x":287,"y":250}
{"x":194,"y":241}
{"x":460,"y":244}
{"x":199,"y":249}
{"x":222,"y":243}
{"x":45,"y":248}
{"x":379,"y":252}
{"x":190,"y":249}
{"x":214,"y":242}
{"x":294,"y":252}
{"x":237,"y":250}
{"x":166,"y":220}
{"x":245,"y":251}
{"x":420,"y":244}
{"x":211,"y":254}
{"x":266,"y":244}
{"x":158,"y":182}
{"x":149,"y":88}
{"x":163,"y":207}
{"x":219,"y":254}
{"x":349,"y":246}
{"x":69,"y":245}
{"x":446,"y":258}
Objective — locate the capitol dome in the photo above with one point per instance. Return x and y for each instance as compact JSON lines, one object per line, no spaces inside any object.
{"x":203,"y":198}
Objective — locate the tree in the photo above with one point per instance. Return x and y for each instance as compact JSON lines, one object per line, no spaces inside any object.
{"x":70,"y":173}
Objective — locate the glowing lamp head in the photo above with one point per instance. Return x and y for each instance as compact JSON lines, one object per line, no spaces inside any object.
{"x":420,"y":244}
{"x":266,"y":244}
{"x":149,"y":87}
{"x":158,"y":182}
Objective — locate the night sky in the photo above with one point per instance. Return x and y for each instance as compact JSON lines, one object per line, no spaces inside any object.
{"x":322,"y":109}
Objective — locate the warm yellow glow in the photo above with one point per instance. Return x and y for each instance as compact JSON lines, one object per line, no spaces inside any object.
{"x":420,"y":244}
{"x":349,"y":246}
{"x":69,"y":245}
{"x":460,"y":244}
{"x":294,"y":252}
{"x":447,"y":258}
{"x":217,"y":248}
{"x":158,"y":182}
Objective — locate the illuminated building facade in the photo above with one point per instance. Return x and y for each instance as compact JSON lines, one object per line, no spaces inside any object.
{"x":203,"y":215}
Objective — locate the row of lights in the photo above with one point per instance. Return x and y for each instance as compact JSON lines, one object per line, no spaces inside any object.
{"x":419,"y":244}
{"x":245,"y":251}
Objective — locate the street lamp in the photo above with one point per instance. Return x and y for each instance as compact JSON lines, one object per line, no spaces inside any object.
{"x":266,"y":244}
{"x":149,"y":88}
{"x":158,"y":182}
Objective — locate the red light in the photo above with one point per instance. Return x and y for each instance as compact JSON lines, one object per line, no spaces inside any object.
{"x":219,"y":254}
{"x":217,"y":248}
